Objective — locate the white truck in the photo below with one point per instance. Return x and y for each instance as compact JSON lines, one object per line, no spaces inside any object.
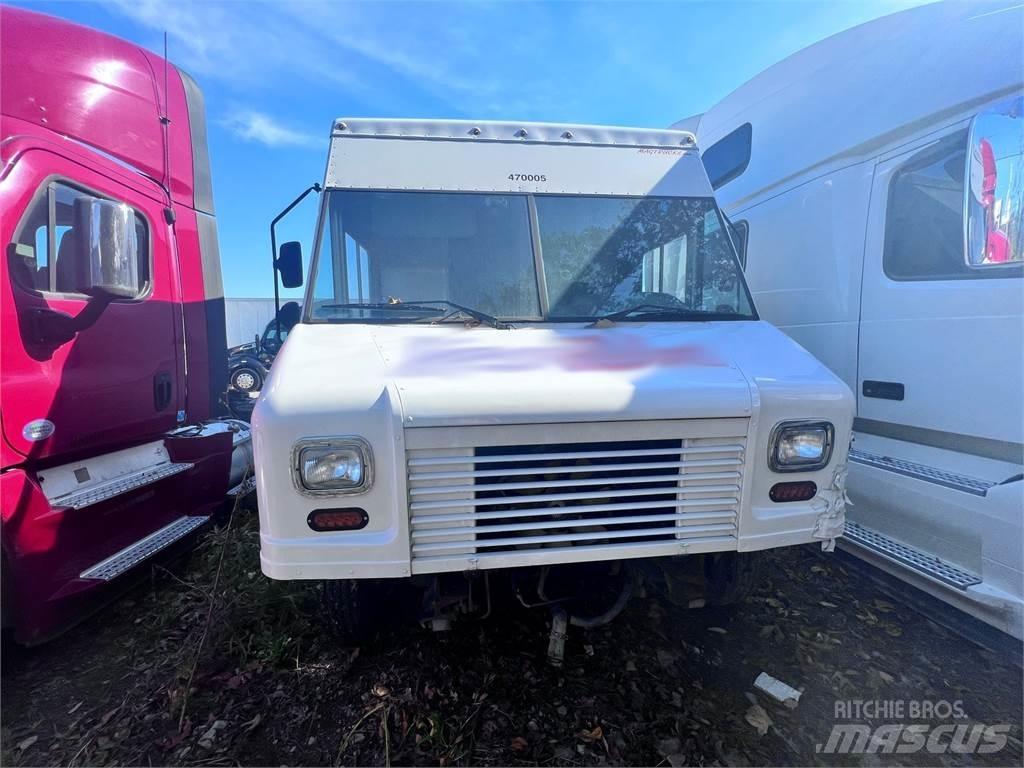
{"x":888,"y":239}
{"x":530,"y":347}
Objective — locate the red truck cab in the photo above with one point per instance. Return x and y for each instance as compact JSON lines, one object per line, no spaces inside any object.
{"x":112,"y":318}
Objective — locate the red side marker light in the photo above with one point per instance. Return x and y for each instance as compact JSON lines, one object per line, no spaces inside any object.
{"x":801,"y":491}
{"x":348,"y":519}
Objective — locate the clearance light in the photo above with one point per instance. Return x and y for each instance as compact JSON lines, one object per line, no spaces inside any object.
{"x":801,"y":491}
{"x":348,"y":519}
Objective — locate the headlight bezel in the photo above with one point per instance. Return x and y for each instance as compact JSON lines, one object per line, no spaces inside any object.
{"x":332,"y":443}
{"x":798,"y":425}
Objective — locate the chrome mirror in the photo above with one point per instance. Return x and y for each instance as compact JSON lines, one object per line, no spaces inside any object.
{"x":995,"y":189}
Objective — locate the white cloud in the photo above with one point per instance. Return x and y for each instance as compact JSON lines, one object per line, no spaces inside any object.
{"x":478,"y":59}
{"x":249,"y":45}
{"x":261,"y":128}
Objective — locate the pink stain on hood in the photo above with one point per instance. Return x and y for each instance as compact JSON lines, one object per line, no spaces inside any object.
{"x":595,"y":352}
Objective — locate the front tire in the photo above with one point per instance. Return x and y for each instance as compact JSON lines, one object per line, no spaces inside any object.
{"x":712,"y":579}
{"x":347,"y":609}
{"x":730,"y":577}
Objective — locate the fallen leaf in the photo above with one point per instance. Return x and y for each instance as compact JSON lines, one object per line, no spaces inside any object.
{"x":26,"y":743}
{"x":591,"y":736}
{"x":758,"y":718}
{"x":827,"y":604}
{"x":519,"y":744}
{"x":718,"y":630}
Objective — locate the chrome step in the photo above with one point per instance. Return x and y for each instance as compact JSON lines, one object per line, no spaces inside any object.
{"x":134,"y":554}
{"x":954,"y":480}
{"x":244,"y":488}
{"x":108,"y":490}
{"x":929,"y":565}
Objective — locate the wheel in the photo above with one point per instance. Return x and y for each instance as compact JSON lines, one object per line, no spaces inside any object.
{"x":356,"y":609}
{"x":246,"y":379}
{"x":729,"y":577}
{"x":711,"y":579}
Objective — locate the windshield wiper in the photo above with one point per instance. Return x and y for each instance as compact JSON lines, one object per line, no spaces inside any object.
{"x":385,"y":305}
{"x":662,"y":312}
{"x":394,"y":304}
{"x":476,"y":314}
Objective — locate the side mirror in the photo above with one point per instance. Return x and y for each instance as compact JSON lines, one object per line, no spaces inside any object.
{"x":110,"y":266}
{"x":995,"y":165}
{"x":289,"y":264}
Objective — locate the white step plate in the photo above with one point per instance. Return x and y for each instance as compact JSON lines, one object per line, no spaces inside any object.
{"x":97,"y":493}
{"x":913,"y":558}
{"x":132,"y":555}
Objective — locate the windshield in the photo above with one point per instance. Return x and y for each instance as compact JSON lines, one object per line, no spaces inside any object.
{"x":598,"y":255}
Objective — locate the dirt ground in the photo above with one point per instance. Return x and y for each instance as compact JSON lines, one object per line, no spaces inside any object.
{"x":193,"y":668}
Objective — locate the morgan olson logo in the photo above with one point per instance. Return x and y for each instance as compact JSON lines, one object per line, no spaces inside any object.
{"x":903,"y":738}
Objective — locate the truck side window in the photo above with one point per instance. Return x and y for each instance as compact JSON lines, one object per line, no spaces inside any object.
{"x":50,"y":253}
{"x":740,"y":231}
{"x":728,"y":157}
{"x":924,"y":219}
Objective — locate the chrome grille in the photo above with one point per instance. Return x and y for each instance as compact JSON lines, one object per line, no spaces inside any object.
{"x":492,"y":500}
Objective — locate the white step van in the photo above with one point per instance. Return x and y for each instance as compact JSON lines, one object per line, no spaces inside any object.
{"x":876,"y":184}
{"x":530,"y":347}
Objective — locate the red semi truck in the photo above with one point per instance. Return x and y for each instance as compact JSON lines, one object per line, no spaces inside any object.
{"x":112,"y":319}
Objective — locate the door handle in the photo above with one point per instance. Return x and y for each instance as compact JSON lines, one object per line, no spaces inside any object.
{"x":883,"y":390}
{"x":162,"y":390}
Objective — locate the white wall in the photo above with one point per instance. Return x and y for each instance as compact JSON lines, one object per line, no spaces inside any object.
{"x":244,"y":318}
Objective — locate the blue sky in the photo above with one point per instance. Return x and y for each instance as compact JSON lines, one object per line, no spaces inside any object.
{"x":276,"y":74}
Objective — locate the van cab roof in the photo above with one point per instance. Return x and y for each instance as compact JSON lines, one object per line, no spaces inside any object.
{"x":513,"y":157}
{"x":488,"y":130}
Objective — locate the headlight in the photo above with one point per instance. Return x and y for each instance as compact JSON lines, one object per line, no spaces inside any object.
{"x":800,"y":446}
{"x":332,"y":466}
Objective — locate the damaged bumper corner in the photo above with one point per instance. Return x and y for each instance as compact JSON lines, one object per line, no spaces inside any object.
{"x":831,"y":507}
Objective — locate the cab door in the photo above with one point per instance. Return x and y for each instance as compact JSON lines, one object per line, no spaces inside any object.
{"x":941,"y":352}
{"x":84,"y":370}
{"x":937,"y":457}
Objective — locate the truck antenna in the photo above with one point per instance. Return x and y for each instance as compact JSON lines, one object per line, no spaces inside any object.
{"x":165,"y":120}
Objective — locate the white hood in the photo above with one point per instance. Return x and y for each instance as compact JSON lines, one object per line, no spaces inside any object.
{"x":551,"y":373}
{"x":453,"y":375}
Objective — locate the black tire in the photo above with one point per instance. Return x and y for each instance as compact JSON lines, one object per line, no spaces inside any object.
{"x":710,"y":579}
{"x":246,"y":371}
{"x":352,"y":608}
{"x":730,"y":577}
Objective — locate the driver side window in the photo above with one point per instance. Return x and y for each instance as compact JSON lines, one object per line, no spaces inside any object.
{"x":50,"y":253}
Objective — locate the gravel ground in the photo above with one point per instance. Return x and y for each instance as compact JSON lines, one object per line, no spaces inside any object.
{"x":196,"y":668}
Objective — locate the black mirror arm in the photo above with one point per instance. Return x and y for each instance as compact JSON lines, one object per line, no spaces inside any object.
{"x":53,"y":328}
{"x":273,"y":247}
